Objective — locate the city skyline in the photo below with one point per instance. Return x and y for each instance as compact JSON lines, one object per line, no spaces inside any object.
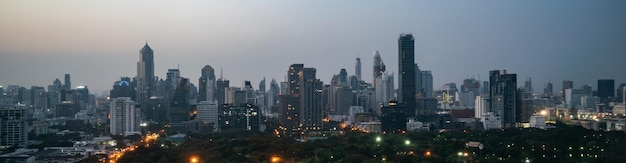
{"x":98,"y":42}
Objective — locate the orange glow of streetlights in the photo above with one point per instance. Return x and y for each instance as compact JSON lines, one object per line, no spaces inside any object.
{"x":194,"y":159}
{"x":275,"y":159}
{"x":427,"y":154}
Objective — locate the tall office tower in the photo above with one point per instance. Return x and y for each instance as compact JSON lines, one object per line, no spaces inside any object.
{"x":620,"y":92}
{"x":379,"y":66}
{"x":283,"y":88}
{"x":179,"y":104}
{"x":524,"y":106}
{"x":528,"y":85}
{"x":384,"y":93}
{"x":567,"y":84}
{"x":294,"y":79}
{"x":13,"y":127}
{"x":207,"y":84}
{"x":606,"y":90}
{"x":587,"y":89}
{"x":406,"y":70}
{"x":250,"y":97}
{"x":272,"y":93}
{"x":427,"y":83}
{"x":262,"y":85}
{"x":125,"y":118}
{"x":301,"y":106}
{"x":502,"y":95}
{"x":390,"y":87}
{"x":261,"y":95}
{"x":343,"y":78}
{"x":222,"y":85}
{"x":310,"y":100}
{"x":145,"y":75}
{"x":548,"y":90}
{"x":173,"y":76}
{"x":67,"y":84}
{"x":419,"y":92}
{"x":357,"y":69}
{"x":450,"y":88}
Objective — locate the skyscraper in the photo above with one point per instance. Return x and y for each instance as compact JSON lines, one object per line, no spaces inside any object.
{"x":379,"y":66}
{"x":145,"y":75}
{"x":357,"y":69}
{"x":179,"y":104}
{"x":206,"y":83}
{"x":427,"y":84}
{"x":68,"y":84}
{"x":310,"y":100}
{"x":567,"y":84}
{"x":502,"y":95}
{"x":419,"y":93}
{"x":606,"y":90}
{"x":406,"y":70}
{"x":125,"y":118}
{"x":301,"y":106}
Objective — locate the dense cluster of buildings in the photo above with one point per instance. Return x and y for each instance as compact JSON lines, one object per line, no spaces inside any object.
{"x":304,"y":103}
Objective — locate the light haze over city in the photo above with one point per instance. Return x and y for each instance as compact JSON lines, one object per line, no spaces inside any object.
{"x":99,"y":41}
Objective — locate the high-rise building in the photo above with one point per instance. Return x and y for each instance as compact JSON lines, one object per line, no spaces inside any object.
{"x":567,"y":84}
{"x":357,"y":69}
{"x":173,"y":76}
{"x":68,"y":84}
{"x":179,"y":104}
{"x":406,"y":69}
{"x":13,"y":127}
{"x":503,"y":92}
{"x":427,"y":84}
{"x":145,"y":75}
{"x":524,"y":106}
{"x":207,"y":84}
{"x":606,"y":90}
{"x":125,"y":118}
{"x":301,"y":106}
{"x":122,"y":88}
{"x":310,"y":100}
{"x":419,"y":92}
{"x":379,"y":66}
{"x":222,"y":85}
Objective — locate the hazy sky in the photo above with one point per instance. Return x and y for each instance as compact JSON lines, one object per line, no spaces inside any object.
{"x":98,"y":41}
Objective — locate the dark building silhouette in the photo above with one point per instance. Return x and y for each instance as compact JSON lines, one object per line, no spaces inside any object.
{"x":179,"y":104}
{"x":221,"y":90}
{"x":67,"y":84}
{"x":567,"y":84}
{"x":503,"y":92}
{"x":524,"y":106}
{"x":145,"y":76}
{"x":393,"y":118}
{"x":548,"y":90}
{"x":606,"y":90}
{"x":406,"y":69}
{"x":301,"y":107}
{"x":207,"y":84}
